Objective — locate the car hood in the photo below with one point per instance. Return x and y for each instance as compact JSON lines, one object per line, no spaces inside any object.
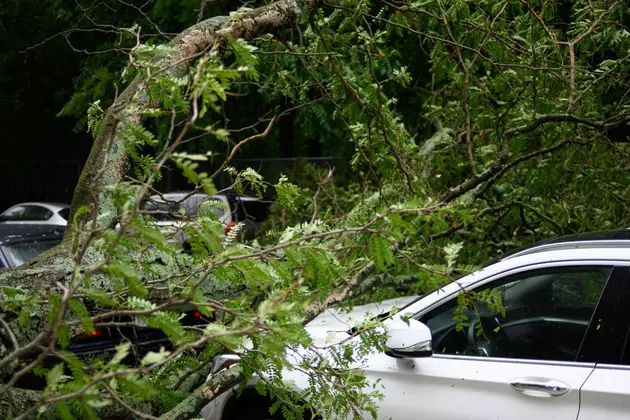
{"x":333,"y":324}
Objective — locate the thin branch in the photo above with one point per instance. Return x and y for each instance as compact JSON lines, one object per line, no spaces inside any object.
{"x":517,"y":162}
{"x":244,"y":142}
{"x":9,"y":332}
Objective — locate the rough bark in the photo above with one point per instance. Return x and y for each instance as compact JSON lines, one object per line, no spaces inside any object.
{"x":213,"y":387}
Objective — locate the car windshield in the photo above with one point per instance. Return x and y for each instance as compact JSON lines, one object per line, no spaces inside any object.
{"x":175,"y":210}
{"x":19,"y":253}
{"x":164,"y":211}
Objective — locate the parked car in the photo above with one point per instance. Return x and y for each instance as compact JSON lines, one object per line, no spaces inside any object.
{"x":560,"y":350}
{"x":22,"y":242}
{"x":37,"y":213}
{"x":173,"y":211}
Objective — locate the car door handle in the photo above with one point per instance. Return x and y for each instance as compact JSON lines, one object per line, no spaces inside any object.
{"x":552,"y":387}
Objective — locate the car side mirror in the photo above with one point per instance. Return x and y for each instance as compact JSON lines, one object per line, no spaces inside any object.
{"x":409,"y":339}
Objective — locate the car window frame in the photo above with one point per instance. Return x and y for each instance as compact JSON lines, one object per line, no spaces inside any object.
{"x":610,"y":293}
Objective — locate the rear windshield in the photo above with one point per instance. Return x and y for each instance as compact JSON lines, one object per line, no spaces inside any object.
{"x":174,"y":210}
{"x":251,"y":210}
{"x":18,"y":254}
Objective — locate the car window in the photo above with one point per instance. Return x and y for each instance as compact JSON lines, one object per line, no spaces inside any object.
{"x":542,"y":314}
{"x":64,"y":213}
{"x":25,"y":213}
{"x":18,"y":254}
{"x":37,"y":213}
{"x":192,"y":206}
{"x":162,"y":211}
{"x":215,"y":206}
{"x":195,"y":203}
{"x":13,"y":214}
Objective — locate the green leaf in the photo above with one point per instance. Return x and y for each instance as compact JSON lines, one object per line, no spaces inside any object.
{"x":100,"y":296}
{"x":381,"y":253}
{"x":153,"y":357}
{"x":452,"y":251}
{"x":64,"y":340}
{"x":64,"y":411}
{"x":54,"y":375}
{"x":151,"y":234}
{"x":286,"y":192}
{"x":84,"y":316}
{"x":122,"y":350}
{"x":131,"y":277}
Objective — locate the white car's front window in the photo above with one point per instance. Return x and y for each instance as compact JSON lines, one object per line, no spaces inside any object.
{"x":540,"y":315}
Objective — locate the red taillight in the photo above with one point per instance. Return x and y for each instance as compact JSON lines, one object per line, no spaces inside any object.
{"x":96,"y":333}
{"x":197,"y":314}
{"x":229,"y":227}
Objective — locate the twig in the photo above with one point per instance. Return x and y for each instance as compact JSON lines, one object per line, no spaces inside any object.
{"x":243,"y":142}
{"x":9,"y":331}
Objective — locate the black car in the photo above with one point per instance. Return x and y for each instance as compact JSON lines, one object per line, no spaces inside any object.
{"x":22,"y":242}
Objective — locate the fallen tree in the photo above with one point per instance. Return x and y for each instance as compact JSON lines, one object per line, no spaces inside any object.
{"x":113,"y":262}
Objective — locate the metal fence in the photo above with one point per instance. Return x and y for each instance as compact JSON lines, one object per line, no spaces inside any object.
{"x":269,"y":168}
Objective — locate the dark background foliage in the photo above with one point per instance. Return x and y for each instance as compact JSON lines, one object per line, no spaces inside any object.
{"x":59,"y":56}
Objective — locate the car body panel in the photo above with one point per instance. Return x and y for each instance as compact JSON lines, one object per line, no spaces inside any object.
{"x":482,"y":385}
{"x":606,"y":394}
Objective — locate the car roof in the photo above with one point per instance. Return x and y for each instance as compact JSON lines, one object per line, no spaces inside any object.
{"x":599,"y":239}
{"x":49,"y":205}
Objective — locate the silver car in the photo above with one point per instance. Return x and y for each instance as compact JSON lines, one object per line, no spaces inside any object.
{"x":174,"y":210}
{"x":37,"y":213}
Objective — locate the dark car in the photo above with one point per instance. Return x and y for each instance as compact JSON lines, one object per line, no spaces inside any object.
{"x":102,"y":342}
{"x":20,"y":243}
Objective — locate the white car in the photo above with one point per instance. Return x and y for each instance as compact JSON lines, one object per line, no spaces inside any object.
{"x":37,"y":213}
{"x":560,"y":352}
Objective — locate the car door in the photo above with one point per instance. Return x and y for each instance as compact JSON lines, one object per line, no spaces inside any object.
{"x":516,"y":360}
{"x":606,"y":393}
